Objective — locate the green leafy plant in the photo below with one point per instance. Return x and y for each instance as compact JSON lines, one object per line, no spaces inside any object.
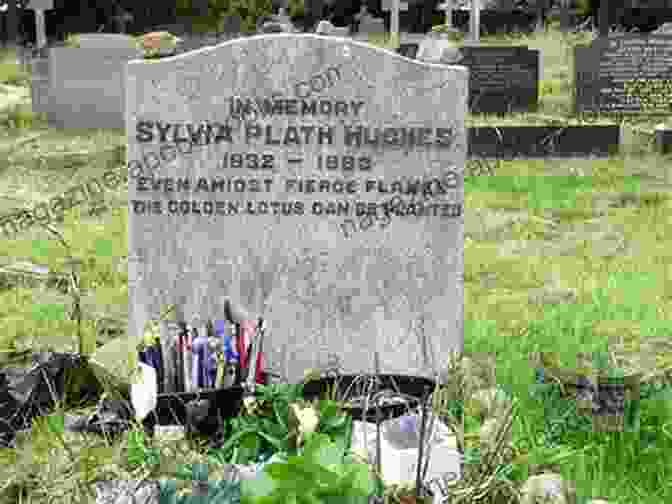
{"x":266,"y":427}
{"x":72,"y":40}
{"x":321,"y":473}
{"x":138,"y":453}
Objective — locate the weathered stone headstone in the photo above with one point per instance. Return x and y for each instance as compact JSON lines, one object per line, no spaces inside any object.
{"x":624,"y":74}
{"x":86,"y":86}
{"x":298,"y":133}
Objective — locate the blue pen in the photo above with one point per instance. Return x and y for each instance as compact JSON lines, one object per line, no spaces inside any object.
{"x":223,"y":343}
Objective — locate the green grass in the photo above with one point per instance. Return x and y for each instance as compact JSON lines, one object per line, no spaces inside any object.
{"x":10,"y":71}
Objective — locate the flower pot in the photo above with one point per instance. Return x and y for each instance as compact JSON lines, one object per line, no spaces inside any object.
{"x":352,"y":389}
{"x":612,"y":401}
{"x":171,"y":408}
{"x":618,"y":403}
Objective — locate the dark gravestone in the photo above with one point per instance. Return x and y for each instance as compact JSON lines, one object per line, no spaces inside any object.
{"x":408,"y":50}
{"x":494,"y":21}
{"x":510,"y":142}
{"x":502,"y":79}
{"x":625,"y":74}
{"x":231,"y":25}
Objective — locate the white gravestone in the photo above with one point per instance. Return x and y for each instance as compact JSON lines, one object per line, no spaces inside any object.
{"x":299,"y":133}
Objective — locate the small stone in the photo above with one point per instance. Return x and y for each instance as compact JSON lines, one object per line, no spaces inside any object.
{"x":127,"y":492}
{"x":547,"y":488}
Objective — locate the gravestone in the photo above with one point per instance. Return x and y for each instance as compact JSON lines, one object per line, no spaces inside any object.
{"x":367,"y":24}
{"x":231,"y":25}
{"x":340,"y":31}
{"x":408,"y":50}
{"x":624,"y":74}
{"x":501,"y":79}
{"x":299,"y":133}
{"x":326,"y":28}
{"x":86,"y":86}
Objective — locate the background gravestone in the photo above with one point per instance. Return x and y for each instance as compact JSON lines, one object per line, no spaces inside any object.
{"x":624,"y":74}
{"x":369,"y":25}
{"x":86,"y":86}
{"x":501,"y":79}
{"x":231,"y":24}
{"x":326,"y":285}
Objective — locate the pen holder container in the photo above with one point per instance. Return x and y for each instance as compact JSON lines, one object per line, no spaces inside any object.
{"x":171,"y":408}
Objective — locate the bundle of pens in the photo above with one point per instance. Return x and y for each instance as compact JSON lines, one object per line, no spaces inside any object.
{"x":210,"y":354}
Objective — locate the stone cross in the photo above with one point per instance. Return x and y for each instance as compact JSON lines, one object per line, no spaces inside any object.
{"x":39,"y":6}
{"x":394,"y":6}
{"x":475,"y":20}
{"x":447,"y":7}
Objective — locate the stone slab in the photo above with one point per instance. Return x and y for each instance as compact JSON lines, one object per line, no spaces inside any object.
{"x":327,"y":282}
{"x":106,"y":41}
{"x":510,"y":142}
{"x":624,"y":74}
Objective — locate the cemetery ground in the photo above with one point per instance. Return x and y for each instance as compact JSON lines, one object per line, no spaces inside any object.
{"x":562,"y":256}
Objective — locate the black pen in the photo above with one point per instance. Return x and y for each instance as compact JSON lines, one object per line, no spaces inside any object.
{"x":180,"y":345}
